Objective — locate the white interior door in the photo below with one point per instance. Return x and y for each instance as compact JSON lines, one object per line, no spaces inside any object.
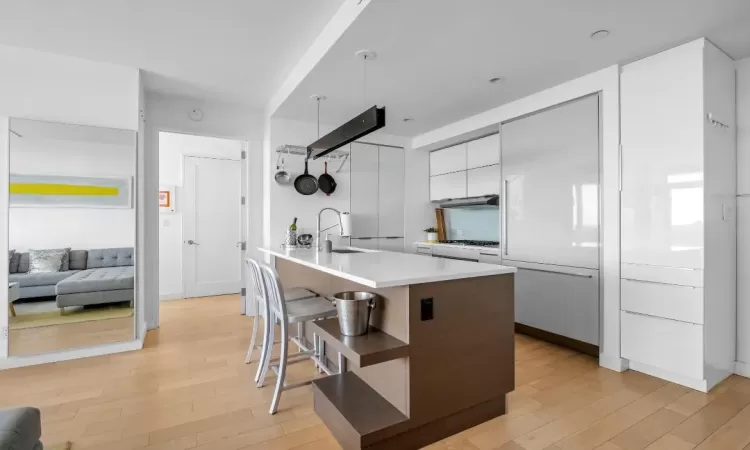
{"x":212,"y":227}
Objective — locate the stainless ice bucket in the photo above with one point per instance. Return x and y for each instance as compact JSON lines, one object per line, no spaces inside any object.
{"x":354,"y":309}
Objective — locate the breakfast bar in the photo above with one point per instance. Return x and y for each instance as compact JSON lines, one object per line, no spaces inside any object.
{"x":439,"y":356}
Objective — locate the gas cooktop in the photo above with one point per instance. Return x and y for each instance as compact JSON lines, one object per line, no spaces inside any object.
{"x":472,"y":243}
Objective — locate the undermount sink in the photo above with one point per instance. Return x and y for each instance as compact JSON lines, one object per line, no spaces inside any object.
{"x":345,"y":250}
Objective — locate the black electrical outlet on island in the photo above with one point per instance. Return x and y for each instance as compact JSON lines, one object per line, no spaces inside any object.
{"x":427,"y":311}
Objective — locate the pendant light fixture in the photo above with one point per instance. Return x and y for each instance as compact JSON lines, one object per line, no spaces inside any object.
{"x":371,"y":120}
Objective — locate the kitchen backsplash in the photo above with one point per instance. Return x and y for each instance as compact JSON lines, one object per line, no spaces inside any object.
{"x":475,"y":223}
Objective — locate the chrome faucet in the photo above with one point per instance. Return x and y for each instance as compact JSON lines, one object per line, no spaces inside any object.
{"x":317,"y":229}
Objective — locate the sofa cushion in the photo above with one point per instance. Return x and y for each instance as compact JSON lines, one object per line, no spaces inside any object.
{"x":15,"y":260}
{"x":49,"y":260}
{"x":78,"y":259}
{"x":110,"y":257}
{"x":20,"y":428}
{"x":94,"y":280}
{"x":39,"y":279}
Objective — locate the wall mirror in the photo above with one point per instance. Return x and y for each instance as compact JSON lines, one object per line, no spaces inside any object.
{"x":71,"y":236}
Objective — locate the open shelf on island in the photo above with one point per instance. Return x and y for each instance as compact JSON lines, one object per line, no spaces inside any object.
{"x":367,"y":417}
{"x":372,"y":348}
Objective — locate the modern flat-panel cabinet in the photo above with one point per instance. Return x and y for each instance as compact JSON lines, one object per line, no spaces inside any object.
{"x":451,"y":159}
{"x":483,"y":152}
{"x":377,"y":196}
{"x":466,"y":170}
{"x":449,"y":185}
{"x":678,"y":215}
{"x":559,"y":300}
{"x":483,"y":181}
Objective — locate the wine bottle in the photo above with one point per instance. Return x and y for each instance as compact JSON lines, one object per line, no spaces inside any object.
{"x":293,"y":226}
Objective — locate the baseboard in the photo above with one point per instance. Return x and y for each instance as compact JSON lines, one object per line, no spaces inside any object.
{"x":13,"y":362}
{"x":563,"y":341}
{"x":698,"y":385}
{"x":742,"y":368}
{"x":613,"y":363}
{"x":171,"y":296}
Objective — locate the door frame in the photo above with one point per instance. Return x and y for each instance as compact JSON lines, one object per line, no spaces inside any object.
{"x":242,"y":206}
{"x":245,"y":215}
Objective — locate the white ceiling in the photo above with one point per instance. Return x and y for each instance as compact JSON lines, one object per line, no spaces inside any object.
{"x":435,"y":56}
{"x":237,"y":51}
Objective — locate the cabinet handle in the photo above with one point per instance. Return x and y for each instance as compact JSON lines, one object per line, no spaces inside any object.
{"x":582,"y":275}
{"x":394,"y":237}
{"x":659,"y":283}
{"x":489,"y":254}
{"x":363,"y":238}
{"x":505,"y":217}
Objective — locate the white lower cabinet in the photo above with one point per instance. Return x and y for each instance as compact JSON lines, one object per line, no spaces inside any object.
{"x":684,"y":303}
{"x":391,"y":244}
{"x":560,"y":300}
{"x":670,"y":345}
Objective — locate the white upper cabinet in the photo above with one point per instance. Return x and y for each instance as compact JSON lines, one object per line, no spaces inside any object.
{"x":662,"y":161}
{"x":391,"y":186}
{"x":483,"y":181}
{"x":451,"y":159}
{"x":449,"y":185}
{"x":483,"y":152}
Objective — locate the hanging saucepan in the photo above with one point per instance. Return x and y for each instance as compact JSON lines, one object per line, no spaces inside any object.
{"x":326,"y":182}
{"x":282,"y":176}
{"x":306,"y":184}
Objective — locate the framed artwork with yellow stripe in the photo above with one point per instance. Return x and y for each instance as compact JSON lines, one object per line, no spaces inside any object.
{"x":59,"y":191}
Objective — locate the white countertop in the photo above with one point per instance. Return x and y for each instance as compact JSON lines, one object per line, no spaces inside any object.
{"x":379,"y":269}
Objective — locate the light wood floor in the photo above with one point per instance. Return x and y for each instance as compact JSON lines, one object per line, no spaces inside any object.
{"x":33,"y":341}
{"x":189,"y":389}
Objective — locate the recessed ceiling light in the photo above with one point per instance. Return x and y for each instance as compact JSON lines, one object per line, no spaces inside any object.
{"x":495,"y":80}
{"x":408,"y":119}
{"x":600,"y":35}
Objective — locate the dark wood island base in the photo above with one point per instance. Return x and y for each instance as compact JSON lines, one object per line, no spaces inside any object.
{"x":439,"y":359}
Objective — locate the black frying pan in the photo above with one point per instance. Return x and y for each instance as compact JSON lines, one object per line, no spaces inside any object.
{"x":326,"y":182}
{"x":306,"y":184}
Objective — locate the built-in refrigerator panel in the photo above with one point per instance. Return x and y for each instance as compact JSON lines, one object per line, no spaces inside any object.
{"x":550,"y":186}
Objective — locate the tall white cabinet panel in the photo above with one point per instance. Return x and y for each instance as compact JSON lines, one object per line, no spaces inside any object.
{"x":451,"y":159}
{"x":679,"y":215}
{"x":364,"y":190}
{"x":483,"y":152}
{"x":377,"y":197}
{"x":483,"y":181}
{"x":449,"y":185}
{"x":662,"y":159}
{"x":550,"y":173}
{"x":391,"y":186}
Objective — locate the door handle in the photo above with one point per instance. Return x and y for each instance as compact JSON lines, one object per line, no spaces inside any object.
{"x":192,"y":242}
{"x":557,"y":272}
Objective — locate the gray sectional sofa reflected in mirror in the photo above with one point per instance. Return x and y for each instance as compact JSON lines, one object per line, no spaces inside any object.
{"x":95,"y":277}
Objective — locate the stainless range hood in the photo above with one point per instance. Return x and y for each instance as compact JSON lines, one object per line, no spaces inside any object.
{"x":485,"y":200}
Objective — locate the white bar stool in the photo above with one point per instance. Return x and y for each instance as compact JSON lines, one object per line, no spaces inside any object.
{"x":259,"y":298}
{"x":289,"y":313}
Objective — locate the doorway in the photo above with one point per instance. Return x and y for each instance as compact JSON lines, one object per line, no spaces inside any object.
{"x":202,"y":219}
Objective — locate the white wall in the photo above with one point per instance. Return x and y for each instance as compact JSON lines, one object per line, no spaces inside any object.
{"x":78,"y":228}
{"x":56,"y":88}
{"x":743,"y":216}
{"x":169,"y":113}
{"x":173,"y":148}
{"x":607,"y":82}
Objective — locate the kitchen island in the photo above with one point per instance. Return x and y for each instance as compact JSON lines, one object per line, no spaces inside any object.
{"x":439,"y":357}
